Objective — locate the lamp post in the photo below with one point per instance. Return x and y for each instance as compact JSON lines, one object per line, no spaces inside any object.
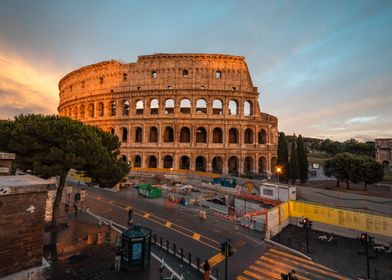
{"x":278,"y":171}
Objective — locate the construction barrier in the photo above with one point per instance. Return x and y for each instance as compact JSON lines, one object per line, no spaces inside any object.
{"x":276,"y":219}
{"x":177,"y":171}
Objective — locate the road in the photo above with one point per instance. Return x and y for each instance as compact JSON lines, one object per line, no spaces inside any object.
{"x":181,"y":225}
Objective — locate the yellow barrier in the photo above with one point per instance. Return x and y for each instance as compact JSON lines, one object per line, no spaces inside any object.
{"x":351,"y":219}
{"x":174,"y":171}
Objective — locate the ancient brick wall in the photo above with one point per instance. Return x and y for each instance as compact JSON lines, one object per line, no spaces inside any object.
{"x":21,"y":232}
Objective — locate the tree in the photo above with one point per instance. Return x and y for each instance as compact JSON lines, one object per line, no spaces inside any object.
{"x":283,"y":157}
{"x":52,"y":145}
{"x":303,"y":164}
{"x":293,"y":167}
{"x":374,"y":172}
{"x":330,"y":170}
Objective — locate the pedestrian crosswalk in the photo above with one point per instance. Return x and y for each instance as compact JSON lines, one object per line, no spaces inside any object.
{"x":274,"y":262}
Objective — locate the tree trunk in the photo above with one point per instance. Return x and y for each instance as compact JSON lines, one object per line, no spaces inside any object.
{"x":364,"y":186}
{"x":348,"y":184}
{"x":57,"y":201}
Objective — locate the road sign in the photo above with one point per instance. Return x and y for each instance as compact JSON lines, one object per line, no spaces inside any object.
{"x":82,"y":194}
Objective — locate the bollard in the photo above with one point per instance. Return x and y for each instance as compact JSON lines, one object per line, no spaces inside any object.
{"x":190,"y":258}
{"x":174,"y":249}
{"x":182,"y":253}
{"x":198,"y":263}
{"x":161,"y":240}
{"x":167,"y":246}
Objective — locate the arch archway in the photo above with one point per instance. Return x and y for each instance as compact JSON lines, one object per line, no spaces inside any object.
{"x":100,"y":109}
{"x":248,"y":108}
{"x":169,"y":106}
{"x":262,"y":137}
{"x":232,"y":165}
{"x":217,"y":107}
{"x":82,"y":111}
{"x":233,"y":107}
{"x":201,"y":164}
{"x":139,"y":107}
{"x":124,"y":134}
{"x":154,"y":106}
{"x":168,"y":135}
{"x":262,"y":165}
{"x":167,"y":162}
{"x":152,"y":162}
{"x":111,"y":130}
{"x":112,"y":106}
{"x":90,"y":110}
{"x":185,"y":163}
{"x":248,"y":136}
{"x":201,"y":106}
{"x":217,"y":165}
{"x":233,"y":136}
{"x":248,"y":165}
{"x":153,"y":135}
{"x":138,"y":161}
{"x":124,"y":158}
{"x":125,"y":108}
{"x":201,"y":135}
{"x":138,"y":135}
{"x":185,"y":135}
{"x":185,"y":106}
{"x":217,"y":135}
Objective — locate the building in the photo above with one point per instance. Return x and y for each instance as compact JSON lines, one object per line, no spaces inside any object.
{"x":22,"y":207}
{"x":384,"y":151}
{"x":197,"y":112}
{"x":6,"y":163}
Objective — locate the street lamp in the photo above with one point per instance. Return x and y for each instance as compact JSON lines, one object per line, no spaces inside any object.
{"x":278,"y":171}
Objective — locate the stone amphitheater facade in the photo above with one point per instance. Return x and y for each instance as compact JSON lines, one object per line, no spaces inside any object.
{"x":177,"y":111}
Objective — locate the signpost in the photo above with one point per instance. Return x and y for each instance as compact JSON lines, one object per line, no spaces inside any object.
{"x":83,"y":193}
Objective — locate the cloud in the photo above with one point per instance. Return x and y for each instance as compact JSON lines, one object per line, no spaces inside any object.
{"x":362,"y":119}
{"x":25,"y":88}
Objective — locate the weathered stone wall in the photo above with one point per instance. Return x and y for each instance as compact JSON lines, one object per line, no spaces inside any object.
{"x":21,"y":231}
{"x":109,"y":95}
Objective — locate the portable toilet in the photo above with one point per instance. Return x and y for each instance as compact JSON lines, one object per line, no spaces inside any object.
{"x":136,"y":243}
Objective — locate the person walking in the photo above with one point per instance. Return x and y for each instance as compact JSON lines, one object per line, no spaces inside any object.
{"x":117,"y":258}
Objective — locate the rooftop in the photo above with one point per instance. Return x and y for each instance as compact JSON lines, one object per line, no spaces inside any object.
{"x":24,"y":183}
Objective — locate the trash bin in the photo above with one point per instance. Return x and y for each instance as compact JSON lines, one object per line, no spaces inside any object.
{"x":136,"y":243}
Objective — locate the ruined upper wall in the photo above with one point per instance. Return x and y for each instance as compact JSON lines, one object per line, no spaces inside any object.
{"x":159,"y":72}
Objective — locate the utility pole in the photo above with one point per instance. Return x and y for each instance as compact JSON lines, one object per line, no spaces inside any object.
{"x":227,"y":251}
{"x":307,"y":225}
{"x":367,"y":241}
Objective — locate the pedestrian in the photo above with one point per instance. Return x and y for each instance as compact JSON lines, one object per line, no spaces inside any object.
{"x":130,"y":216}
{"x":117,"y":258}
{"x":76,"y":210}
{"x":206,"y":267}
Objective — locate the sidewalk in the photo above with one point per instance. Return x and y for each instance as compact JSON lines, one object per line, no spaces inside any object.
{"x":85,"y":250}
{"x":342,"y":256}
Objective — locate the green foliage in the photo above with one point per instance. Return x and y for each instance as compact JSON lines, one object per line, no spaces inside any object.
{"x":354,"y":168}
{"x":293,"y":166}
{"x":303,"y":164}
{"x":351,"y":146}
{"x":52,"y":145}
{"x":283,"y":157}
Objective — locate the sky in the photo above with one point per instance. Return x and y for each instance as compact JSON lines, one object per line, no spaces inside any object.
{"x":324,"y":68}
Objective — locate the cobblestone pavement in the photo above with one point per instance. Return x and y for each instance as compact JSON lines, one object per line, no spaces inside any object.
{"x":85,"y":250}
{"x":346,"y":256}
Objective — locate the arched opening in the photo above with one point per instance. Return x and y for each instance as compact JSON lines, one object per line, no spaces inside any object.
{"x":124,"y":134}
{"x":90,"y":110}
{"x":100,"y":109}
{"x":152,"y":162}
{"x":154,"y":105}
{"x":201,"y":135}
{"x":217,"y":165}
{"x":233,"y":107}
{"x":262,"y":165}
{"x":139,"y":107}
{"x":201,"y":164}
{"x":273,"y":164}
{"x":111,"y":130}
{"x":82,"y":111}
{"x":232,"y":165}
{"x":262,"y":137}
{"x":167,"y":162}
{"x":233,"y":136}
{"x":217,"y":107}
{"x":248,"y":136}
{"x":138,"y":135}
{"x":248,"y":165}
{"x":112,"y":108}
{"x":169,"y":106}
{"x":185,"y":135}
{"x":385,"y":163}
{"x":168,"y":136}
{"x":201,"y":106}
{"x":124,"y":158}
{"x":125,"y":108}
{"x":138,"y":161}
{"x":184,"y":163}
{"x":75,"y":112}
{"x":153,"y":134}
{"x":185,"y":106}
{"x":248,"y":108}
{"x":217,"y":135}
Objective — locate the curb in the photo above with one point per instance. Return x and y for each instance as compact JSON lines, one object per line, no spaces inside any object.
{"x":295,"y":252}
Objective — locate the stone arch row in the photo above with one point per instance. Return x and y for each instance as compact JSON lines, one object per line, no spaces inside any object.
{"x":153,"y":107}
{"x":200,"y":135}
{"x":199,"y":163}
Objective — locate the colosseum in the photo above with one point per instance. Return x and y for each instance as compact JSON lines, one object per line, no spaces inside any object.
{"x":196,"y":112}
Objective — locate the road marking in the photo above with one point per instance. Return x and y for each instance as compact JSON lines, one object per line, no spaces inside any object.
{"x":216,"y":259}
{"x":242,"y":278}
{"x":146,"y":215}
{"x":196,"y":236}
{"x":99,"y":197}
{"x":254,"y":275}
{"x":266,"y":272}
{"x":168,"y":224}
{"x":128,"y":208}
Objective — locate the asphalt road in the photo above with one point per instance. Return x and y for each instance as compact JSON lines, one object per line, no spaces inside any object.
{"x":181,"y":225}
